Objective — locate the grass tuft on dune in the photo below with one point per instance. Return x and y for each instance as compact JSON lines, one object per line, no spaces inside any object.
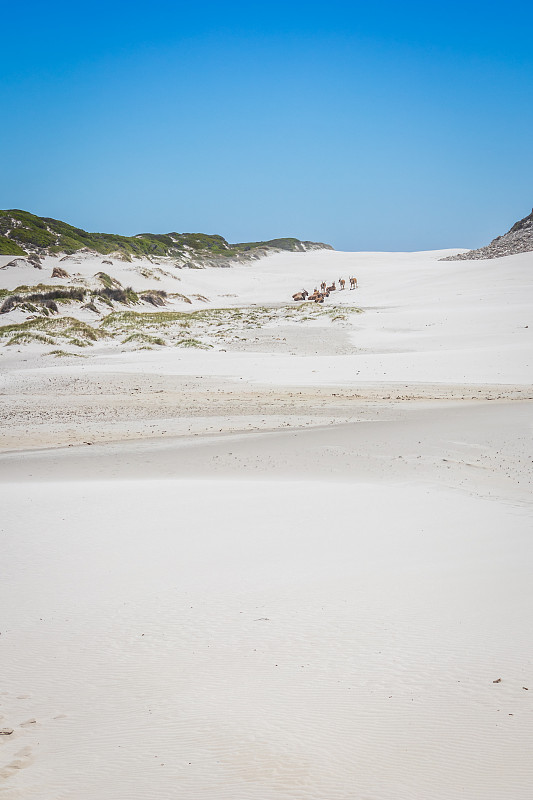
{"x":48,"y":330}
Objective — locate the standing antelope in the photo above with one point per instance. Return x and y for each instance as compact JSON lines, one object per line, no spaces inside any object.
{"x":323,"y":286}
{"x":342,"y":283}
{"x":353,"y":283}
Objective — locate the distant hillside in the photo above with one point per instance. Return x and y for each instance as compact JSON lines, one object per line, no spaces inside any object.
{"x":22,"y":233}
{"x":518,"y":240}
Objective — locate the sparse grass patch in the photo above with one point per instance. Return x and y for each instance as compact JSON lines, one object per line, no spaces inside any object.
{"x":178,"y":296}
{"x":50,"y":330}
{"x":193,"y":343}
{"x":28,"y":337}
{"x":107,"y":281}
{"x":122,"y":320}
{"x":159,"y":328}
{"x":145,"y":338}
{"x":64,"y":354}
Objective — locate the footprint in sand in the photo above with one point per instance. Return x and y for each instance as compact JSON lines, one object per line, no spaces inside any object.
{"x":23,"y":758}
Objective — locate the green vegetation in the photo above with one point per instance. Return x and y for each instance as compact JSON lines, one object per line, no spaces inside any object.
{"x":280,"y":244}
{"x":124,"y":319}
{"x":21,"y":231}
{"x":107,"y":281}
{"x":9,"y":248}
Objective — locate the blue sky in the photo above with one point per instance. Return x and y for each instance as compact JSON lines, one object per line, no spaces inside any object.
{"x":383,"y":126}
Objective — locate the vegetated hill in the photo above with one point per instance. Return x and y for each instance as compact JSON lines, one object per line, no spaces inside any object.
{"x":518,"y":240}
{"x":22,"y":233}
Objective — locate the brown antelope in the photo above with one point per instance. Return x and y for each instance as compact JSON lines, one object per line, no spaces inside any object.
{"x":353,"y":283}
{"x":342,"y":283}
{"x":321,"y":296}
{"x":331,"y":288}
{"x":323,"y":286}
{"x":300,"y":295}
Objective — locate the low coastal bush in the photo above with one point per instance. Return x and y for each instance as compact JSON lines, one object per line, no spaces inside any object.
{"x":45,"y":297}
{"x":107,"y":281}
{"x":118,"y":295}
{"x":9,"y":248}
{"x":21,"y":231}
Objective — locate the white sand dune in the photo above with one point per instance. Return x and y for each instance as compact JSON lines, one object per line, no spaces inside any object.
{"x":278,"y":574}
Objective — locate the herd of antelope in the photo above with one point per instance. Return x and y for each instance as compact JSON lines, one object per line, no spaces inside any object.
{"x":319,"y":296}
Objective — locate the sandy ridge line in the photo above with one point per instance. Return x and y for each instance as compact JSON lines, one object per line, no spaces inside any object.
{"x":28,"y":385}
{"x":474,"y":448}
{"x":49,"y":414}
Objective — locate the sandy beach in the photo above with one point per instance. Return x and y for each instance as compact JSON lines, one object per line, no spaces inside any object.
{"x":293,"y":562}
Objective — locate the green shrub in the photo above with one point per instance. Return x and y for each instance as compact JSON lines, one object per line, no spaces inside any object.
{"x":9,"y":248}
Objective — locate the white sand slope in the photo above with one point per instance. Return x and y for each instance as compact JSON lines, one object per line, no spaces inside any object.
{"x":423,"y":320}
{"x":278,"y":573}
{"x":296,"y":639}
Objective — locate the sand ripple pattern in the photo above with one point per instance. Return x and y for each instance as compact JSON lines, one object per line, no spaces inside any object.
{"x":216,"y":640}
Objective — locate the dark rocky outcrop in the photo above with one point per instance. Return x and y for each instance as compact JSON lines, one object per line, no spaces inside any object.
{"x":517,"y":240}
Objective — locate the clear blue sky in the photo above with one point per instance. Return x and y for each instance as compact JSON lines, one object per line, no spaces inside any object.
{"x":393,"y":125}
